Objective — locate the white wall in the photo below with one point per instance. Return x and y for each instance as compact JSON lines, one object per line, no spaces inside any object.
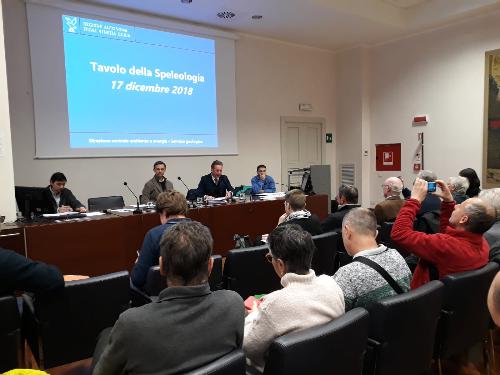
{"x":7,"y":204}
{"x":272,"y":78}
{"x":352,"y":114}
{"x":439,"y":73}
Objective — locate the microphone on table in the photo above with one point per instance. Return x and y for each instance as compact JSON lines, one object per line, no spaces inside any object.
{"x":138,"y":209}
{"x":180,"y":179}
{"x":189,"y":197}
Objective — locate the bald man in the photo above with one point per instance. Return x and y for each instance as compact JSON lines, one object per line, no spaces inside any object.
{"x":388,"y":209}
{"x":458,"y":247}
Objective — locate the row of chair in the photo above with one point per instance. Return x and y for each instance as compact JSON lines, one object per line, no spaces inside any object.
{"x":397,"y":334}
{"x":247,"y":272}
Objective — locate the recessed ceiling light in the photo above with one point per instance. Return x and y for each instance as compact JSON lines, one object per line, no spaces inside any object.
{"x":226,"y":14}
{"x":256,"y":17}
{"x":186,"y":1}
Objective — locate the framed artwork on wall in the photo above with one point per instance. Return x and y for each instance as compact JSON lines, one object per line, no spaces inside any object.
{"x":491,"y":139}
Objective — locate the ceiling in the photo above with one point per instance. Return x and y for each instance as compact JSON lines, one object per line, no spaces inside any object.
{"x":327,"y":24}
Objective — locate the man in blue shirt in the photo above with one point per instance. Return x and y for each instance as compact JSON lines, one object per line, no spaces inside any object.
{"x":262,"y":183}
{"x":172,"y":207}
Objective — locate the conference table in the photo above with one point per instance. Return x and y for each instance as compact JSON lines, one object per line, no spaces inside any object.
{"x":102,"y":244}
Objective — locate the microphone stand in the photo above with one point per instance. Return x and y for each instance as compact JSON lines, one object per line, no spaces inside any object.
{"x":180,"y":179}
{"x":138,"y":210}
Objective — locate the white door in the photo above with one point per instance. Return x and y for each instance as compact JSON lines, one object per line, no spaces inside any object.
{"x":301,"y":146}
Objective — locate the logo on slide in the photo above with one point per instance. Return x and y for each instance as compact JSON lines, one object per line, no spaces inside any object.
{"x":71,"y":23}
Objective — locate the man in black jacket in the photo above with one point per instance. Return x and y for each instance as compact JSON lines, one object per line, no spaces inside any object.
{"x":59,"y":199}
{"x":18,"y":273}
{"x":347,"y":199}
{"x":214,"y":184}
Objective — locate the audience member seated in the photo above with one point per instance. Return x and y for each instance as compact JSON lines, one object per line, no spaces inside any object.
{"x":188,"y":327}
{"x":458,"y":187}
{"x":262,"y":183}
{"x":431,"y":201}
{"x":474,"y":182}
{"x":458,"y":247}
{"x":172,"y":207}
{"x":158,"y":184}
{"x":347,"y":199}
{"x":296,"y":213}
{"x":306,"y":300}
{"x":18,"y":273}
{"x":361,"y":283}
{"x":214,"y":184}
{"x":492,"y":235}
{"x":494,"y":299}
{"x":388,"y":209}
{"x":57,"y":198}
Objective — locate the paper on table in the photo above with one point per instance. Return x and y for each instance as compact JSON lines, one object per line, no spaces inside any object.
{"x":123,"y":210}
{"x":90,"y":214}
{"x":60,"y":214}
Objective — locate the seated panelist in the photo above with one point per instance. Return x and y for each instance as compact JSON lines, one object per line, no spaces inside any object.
{"x":58,"y":198}
{"x":262,"y":183}
{"x":158,"y":184}
{"x":214,"y":184}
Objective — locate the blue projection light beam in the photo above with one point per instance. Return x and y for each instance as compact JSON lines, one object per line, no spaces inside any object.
{"x":134,"y":87}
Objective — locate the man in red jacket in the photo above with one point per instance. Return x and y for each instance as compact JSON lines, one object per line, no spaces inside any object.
{"x":458,"y":247}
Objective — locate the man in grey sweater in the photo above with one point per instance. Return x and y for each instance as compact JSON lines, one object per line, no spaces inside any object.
{"x":188,"y":327}
{"x":360,"y":283}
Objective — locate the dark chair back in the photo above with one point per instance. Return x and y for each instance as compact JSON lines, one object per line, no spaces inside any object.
{"x":337,"y":347}
{"x":402,"y":331}
{"x":11,"y":349}
{"x":215,"y":279}
{"x":384,"y":233}
{"x":231,"y":364}
{"x":464,"y":318}
{"x":343,"y":257}
{"x":384,"y":237}
{"x":323,"y":261}
{"x":247,"y":272}
{"x":155,"y":282}
{"x":105,"y":203}
{"x":63,"y":328}
{"x":191,"y":195}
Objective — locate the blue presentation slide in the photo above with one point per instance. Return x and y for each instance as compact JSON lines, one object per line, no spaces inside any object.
{"x":135,"y":87}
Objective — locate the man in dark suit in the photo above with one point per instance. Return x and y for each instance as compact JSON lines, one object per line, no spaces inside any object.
{"x":347,"y":199}
{"x":57,"y":198}
{"x":214,"y":184}
{"x":188,"y":327}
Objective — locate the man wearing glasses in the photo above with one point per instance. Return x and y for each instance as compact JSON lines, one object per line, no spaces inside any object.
{"x":262,"y":183}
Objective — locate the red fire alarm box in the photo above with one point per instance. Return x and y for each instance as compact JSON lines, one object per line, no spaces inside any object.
{"x":388,"y":157}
